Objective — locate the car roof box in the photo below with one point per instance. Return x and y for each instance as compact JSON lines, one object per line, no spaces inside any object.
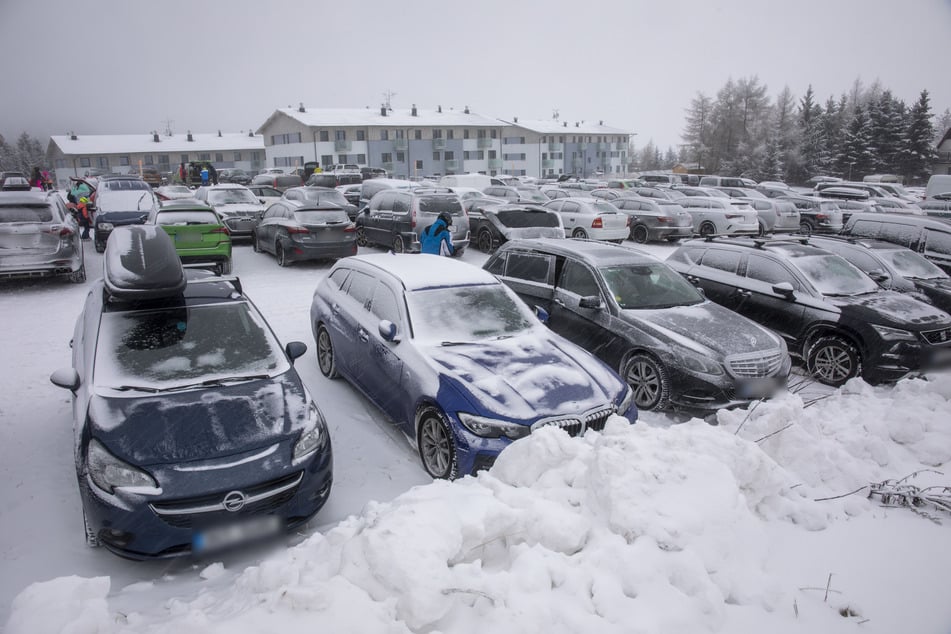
{"x":141,"y":263}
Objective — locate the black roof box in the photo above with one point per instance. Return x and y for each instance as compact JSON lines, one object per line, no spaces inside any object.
{"x":141,"y":263}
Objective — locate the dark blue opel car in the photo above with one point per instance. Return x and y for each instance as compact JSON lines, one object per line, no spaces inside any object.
{"x":193,"y":430}
{"x":452,"y":356}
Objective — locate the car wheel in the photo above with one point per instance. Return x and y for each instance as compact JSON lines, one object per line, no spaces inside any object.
{"x":398,"y":246}
{"x":256,"y":243}
{"x":649,"y":380}
{"x":833,"y":360}
{"x":639,"y":234}
{"x":459,"y":252}
{"x":225,"y":267}
{"x":78,"y":276}
{"x":673,"y":239}
{"x":762,"y":230}
{"x":361,"y":237}
{"x":325,"y":353}
{"x":437,"y":449}
{"x":707,"y":229}
{"x":92,"y":539}
{"x":281,"y":255}
{"x":805,"y":228}
{"x":579,"y":233}
{"x":100,"y":246}
{"x":485,"y":241}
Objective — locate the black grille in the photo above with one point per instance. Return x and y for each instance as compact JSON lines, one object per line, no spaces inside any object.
{"x":936,"y":337}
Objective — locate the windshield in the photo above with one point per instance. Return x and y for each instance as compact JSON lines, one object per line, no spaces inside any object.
{"x":533,"y":195}
{"x":833,"y":275}
{"x":651,"y":285}
{"x":466,"y":313}
{"x":910,"y":264}
{"x":178,"y":346}
{"x":231,"y":197}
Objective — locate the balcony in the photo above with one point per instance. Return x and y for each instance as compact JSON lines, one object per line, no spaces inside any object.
{"x":342,"y":145}
{"x":439,"y":144}
{"x":452,"y":164}
{"x":620,"y":145}
{"x":555,"y":146}
{"x":604,"y":147}
{"x":495,"y":164}
{"x":577,"y":163}
{"x":484,"y":142}
{"x":399,"y":144}
{"x":548,"y":164}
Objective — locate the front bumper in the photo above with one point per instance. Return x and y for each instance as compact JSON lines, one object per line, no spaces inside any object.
{"x":894,"y":360}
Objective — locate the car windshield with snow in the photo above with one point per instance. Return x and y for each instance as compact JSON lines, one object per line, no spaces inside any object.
{"x":452,"y":356}
{"x":193,"y":431}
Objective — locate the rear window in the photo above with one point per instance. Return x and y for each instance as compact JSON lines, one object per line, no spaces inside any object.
{"x":334,"y":197}
{"x":321,"y":216}
{"x":196,"y":217}
{"x":124,"y":185}
{"x":604,"y":208}
{"x":521,"y":218}
{"x":26,"y":213}
{"x":322,"y":180}
{"x":439,"y":204}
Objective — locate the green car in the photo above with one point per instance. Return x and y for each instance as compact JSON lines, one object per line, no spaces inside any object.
{"x":199,"y":233}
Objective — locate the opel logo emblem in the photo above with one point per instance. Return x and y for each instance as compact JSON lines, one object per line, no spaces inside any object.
{"x":235,"y":501}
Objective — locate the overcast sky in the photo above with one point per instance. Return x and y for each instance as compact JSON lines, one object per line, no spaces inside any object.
{"x":120,"y":66}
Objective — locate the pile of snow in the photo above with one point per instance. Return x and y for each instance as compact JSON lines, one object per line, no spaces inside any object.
{"x":637,"y":529}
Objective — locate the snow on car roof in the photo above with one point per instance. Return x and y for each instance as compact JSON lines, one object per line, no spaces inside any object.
{"x":419,"y":271}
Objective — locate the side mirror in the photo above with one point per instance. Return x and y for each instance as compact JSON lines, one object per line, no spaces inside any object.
{"x":878,"y":276}
{"x":66,"y":378}
{"x":785,"y":289}
{"x":295,"y":350}
{"x":388,"y":331}
{"x":261,"y":200}
{"x":542,"y":314}
{"x":592,"y":301}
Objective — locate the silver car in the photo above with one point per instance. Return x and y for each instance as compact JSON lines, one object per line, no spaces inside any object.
{"x":591,"y":218}
{"x":38,"y":237}
{"x":655,"y":219}
{"x":720,"y":216}
{"x":775,"y":216}
{"x":295,"y":230}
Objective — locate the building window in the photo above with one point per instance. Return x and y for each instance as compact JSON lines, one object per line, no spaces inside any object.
{"x":361,"y":158}
{"x":450,"y":156}
{"x":513,"y":140}
{"x":480,"y":134}
{"x":419,"y":164}
{"x":103,"y":161}
{"x":340,"y":135}
{"x":288,"y":161}
{"x":219,"y":157}
{"x":184,"y":158}
{"x":387,"y":157}
{"x":84,"y":161}
{"x":237,"y":156}
{"x":255,"y":156}
{"x":163,"y":159}
{"x":435,"y":156}
{"x":449,"y":134}
{"x":465,"y":133}
{"x":437,"y":134}
{"x":326,"y":159}
{"x":59,"y":164}
{"x":324,"y":135}
{"x":494,"y":132}
{"x":399,"y":134}
{"x":204,"y":156}
{"x":283,"y":139}
{"x":401,"y":157}
{"x":341,"y":158}
{"x":417,"y":134}
{"x":149,"y":160}
{"x":361,"y":135}
{"x":492,"y":154}
{"x":384,"y":135}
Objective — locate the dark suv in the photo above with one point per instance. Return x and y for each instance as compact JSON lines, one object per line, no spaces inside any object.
{"x":639,"y":316}
{"x":816,"y":215}
{"x":830,"y":313}
{"x":395,"y":218}
{"x":931,"y":237}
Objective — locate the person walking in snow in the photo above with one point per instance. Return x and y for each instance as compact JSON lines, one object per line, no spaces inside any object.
{"x":436,"y":238}
{"x":204,"y":175}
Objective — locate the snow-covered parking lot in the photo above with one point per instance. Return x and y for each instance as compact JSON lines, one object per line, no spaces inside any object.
{"x":664,"y":526}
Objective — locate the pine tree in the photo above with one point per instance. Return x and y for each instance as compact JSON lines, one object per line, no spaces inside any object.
{"x":699,"y":129}
{"x":28,"y":153}
{"x":919,"y":152}
{"x":856,"y":157}
{"x":941,"y":126}
{"x":6,"y":155}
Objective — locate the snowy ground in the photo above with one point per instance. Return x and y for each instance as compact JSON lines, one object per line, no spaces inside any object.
{"x":657,"y":527}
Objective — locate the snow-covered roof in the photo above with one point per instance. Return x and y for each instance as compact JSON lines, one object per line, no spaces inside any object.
{"x":371,"y":117}
{"x":551,"y":126}
{"x":145,"y":143}
{"x":425,"y":271}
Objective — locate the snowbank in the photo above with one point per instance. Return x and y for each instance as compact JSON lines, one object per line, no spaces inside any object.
{"x":636,"y":529}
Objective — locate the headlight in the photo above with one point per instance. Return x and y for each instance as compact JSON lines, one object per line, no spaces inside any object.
{"x":894,"y":334}
{"x":312,"y":436}
{"x":493,"y":428}
{"x":104,"y":226}
{"x":697,"y":363}
{"x":626,"y":400}
{"x":108,"y":472}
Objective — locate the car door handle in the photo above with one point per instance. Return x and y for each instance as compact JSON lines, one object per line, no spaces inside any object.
{"x":334,"y":308}
{"x":743,"y":293}
{"x":363,"y":335}
{"x":559,"y":303}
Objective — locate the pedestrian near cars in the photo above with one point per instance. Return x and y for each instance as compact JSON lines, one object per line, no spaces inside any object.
{"x":213,"y":174}
{"x":36,"y":179}
{"x":436,"y":238}
{"x":85,"y":216}
{"x":47,"y":181}
{"x":204,"y":175}
{"x":182,"y":174}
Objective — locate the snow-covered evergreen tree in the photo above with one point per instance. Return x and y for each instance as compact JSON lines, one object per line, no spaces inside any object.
{"x":919,"y":151}
{"x":941,"y":126}
{"x":28,"y":153}
{"x":699,"y":129}
{"x":857,"y":156}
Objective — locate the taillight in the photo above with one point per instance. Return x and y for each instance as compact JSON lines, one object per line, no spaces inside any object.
{"x":597,"y":223}
{"x":291,"y":230}
{"x":412,"y":219}
{"x":223,"y":230}
{"x":822,"y":217}
{"x":350,"y":228}
{"x":62,"y":231}
{"x":663,"y":219}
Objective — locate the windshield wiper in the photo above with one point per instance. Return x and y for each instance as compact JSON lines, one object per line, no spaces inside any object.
{"x":455,"y":343}
{"x":136,"y":388}
{"x":234,"y":379}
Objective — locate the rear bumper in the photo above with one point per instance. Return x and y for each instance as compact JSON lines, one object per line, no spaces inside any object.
{"x":297,"y":251}
{"x":62,"y":262}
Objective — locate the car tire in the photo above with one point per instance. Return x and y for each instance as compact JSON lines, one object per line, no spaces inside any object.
{"x":649,"y":380}
{"x":707,"y":229}
{"x":280,"y":254}
{"x":225,"y":267}
{"x":437,"y":449}
{"x":100,"y":246}
{"x":256,"y":243}
{"x":398,"y":246}
{"x":361,"y":237}
{"x":326,"y":360}
{"x":579,"y":233}
{"x":833,"y":360}
{"x":459,"y":252}
{"x":78,"y":276}
{"x":762,"y":230}
{"x":485,"y":241}
{"x":805,"y":228}
{"x":92,"y":539}
{"x":639,"y":234}
{"x":675,"y":239}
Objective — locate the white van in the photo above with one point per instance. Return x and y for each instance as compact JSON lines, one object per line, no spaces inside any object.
{"x":476,"y":181}
{"x":939,"y":185}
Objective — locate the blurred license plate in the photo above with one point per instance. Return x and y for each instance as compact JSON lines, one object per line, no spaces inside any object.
{"x":756,"y":388}
{"x":187,"y":236}
{"x":226,"y":535}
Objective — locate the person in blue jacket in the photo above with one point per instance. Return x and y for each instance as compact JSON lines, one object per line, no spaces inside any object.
{"x":436,"y":238}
